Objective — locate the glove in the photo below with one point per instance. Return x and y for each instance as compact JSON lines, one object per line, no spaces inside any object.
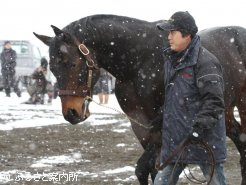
{"x":195,"y":135}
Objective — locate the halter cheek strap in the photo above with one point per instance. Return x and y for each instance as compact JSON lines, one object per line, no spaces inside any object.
{"x":85,"y":90}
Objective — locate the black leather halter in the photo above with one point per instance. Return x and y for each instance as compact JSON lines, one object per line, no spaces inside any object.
{"x":85,"y":90}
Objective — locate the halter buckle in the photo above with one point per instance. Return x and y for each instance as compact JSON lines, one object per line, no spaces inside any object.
{"x":84,"y":50}
{"x":90,"y":65}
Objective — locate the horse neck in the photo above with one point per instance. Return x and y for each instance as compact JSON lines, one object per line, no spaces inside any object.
{"x":120,"y":44}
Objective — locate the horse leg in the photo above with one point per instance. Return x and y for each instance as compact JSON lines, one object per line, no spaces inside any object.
{"x":129,"y":103}
{"x":132,"y":106}
{"x":242,"y":135}
{"x":232,"y":126}
{"x":237,"y":132}
{"x":233,"y":132}
{"x":146,"y":165}
{"x":243,"y":163}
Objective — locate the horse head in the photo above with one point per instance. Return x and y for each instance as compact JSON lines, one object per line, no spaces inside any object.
{"x":72,"y":65}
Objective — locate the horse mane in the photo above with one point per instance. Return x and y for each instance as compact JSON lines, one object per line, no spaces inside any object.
{"x":129,"y":41}
{"x":100,"y":23}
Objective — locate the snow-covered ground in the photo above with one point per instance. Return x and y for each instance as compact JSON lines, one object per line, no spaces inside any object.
{"x":16,"y":115}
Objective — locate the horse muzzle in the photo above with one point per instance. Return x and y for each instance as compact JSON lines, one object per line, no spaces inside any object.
{"x":75,"y":114}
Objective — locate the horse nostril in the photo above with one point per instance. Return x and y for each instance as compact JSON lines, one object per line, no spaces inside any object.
{"x":72,"y":115}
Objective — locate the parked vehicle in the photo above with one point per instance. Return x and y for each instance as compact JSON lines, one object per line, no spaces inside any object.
{"x":28,"y":59}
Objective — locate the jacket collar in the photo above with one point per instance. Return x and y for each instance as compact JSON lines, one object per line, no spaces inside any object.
{"x":187,"y":57}
{"x":7,"y":50}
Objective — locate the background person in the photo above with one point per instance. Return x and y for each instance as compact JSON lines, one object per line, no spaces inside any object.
{"x":103,"y":86}
{"x":41,"y":86}
{"x":8,"y":63}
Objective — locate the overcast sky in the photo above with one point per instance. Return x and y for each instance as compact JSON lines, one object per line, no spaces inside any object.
{"x":19,"y":18}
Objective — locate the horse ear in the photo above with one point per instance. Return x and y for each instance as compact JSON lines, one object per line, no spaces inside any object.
{"x":66,"y":36}
{"x":45,"y":39}
{"x":56,"y":30}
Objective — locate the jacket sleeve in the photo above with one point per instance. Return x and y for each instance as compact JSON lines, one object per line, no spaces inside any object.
{"x":2,"y":59}
{"x":13,"y":59}
{"x":209,"y":79}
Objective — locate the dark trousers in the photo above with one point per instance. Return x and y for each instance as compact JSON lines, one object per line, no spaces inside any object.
{"x":163,"y":177}
{"x":10,"y":82}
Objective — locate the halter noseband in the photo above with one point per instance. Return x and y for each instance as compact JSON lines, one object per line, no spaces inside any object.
{"x":85,"y":90}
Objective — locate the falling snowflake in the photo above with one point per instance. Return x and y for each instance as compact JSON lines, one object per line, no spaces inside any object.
{"x":242,"y":137}
{"x":232,"y":40}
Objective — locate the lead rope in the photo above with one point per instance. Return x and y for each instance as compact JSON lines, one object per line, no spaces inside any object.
{"x":203,"y":145}
{"x":86,"y":53}
{"x":193,"y":179}
{"x":120,"y":112}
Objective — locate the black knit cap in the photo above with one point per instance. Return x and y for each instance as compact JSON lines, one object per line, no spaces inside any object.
{"x":44,"y":62}
{"x":6,"y":42}
{"x":179,"y":21}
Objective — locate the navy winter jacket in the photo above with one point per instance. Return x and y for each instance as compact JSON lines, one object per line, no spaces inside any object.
{"x":194,"y":94}
{"x":8,"y":60}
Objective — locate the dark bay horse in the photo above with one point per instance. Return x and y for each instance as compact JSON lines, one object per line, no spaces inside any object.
{"x":131,"y":50}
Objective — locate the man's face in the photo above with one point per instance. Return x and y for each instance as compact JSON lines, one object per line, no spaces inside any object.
{"x":177,"y":41}
{"x":8,"y":46}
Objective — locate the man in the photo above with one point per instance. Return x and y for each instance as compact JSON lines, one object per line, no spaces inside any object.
{"x":8,"y":63}
{"x":41,"y":86}
{"x":194,"y":105}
